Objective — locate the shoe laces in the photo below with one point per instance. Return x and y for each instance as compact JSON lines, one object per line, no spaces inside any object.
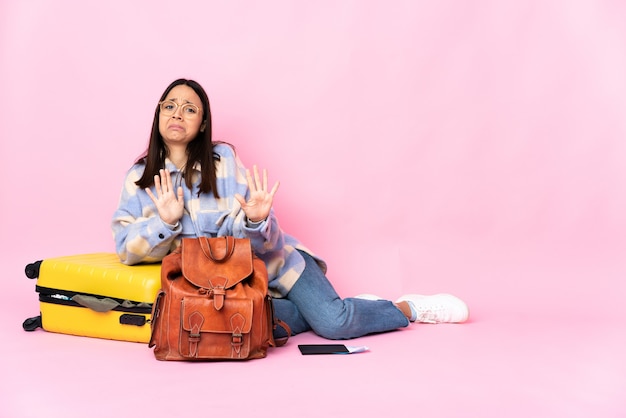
{"x":428,"y":317}
{"x":433,"y":314}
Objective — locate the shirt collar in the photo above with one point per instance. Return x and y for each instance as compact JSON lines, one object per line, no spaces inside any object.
{"x":169,"y":165}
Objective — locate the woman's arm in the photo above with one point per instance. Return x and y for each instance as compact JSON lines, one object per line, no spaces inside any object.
{"x":250,"y":200}
{"x":139,"y":233}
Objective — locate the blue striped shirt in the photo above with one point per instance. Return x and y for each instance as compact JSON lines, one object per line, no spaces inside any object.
{"x":142,"y":237}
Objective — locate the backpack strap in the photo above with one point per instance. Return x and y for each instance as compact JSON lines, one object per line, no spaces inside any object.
{"x":279,"y":342}
{"x":276,"y":342}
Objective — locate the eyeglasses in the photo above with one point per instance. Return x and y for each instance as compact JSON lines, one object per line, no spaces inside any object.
{"x":188,"y":110}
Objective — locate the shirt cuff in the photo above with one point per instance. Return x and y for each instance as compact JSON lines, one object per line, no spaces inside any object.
{"x":254,"y":225}
{"x":170,"y":226}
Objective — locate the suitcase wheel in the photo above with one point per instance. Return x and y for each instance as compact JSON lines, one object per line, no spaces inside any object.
{"x":32,"y":324}
{"x":32,"y":269}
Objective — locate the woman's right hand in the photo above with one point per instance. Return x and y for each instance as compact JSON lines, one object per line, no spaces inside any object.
{"x":170,"y":206}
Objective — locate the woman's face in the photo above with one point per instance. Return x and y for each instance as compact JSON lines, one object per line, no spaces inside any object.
{"x":183,"y":124}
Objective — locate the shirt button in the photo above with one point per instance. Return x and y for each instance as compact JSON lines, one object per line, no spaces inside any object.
{"x":161,"y":236}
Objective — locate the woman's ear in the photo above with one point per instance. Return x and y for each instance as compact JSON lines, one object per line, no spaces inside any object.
{"x":202,"y":127}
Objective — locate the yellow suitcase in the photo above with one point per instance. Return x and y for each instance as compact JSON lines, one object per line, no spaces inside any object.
{"x":94,"y":295}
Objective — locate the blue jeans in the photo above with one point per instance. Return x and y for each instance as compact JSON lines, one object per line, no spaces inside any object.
{"x":313,"y":304}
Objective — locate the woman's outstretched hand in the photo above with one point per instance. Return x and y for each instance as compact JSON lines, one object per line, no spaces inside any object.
{"x":258,"y":206}
{"x":169,"y":204}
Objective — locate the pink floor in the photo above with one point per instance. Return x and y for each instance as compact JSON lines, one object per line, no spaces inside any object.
{"x":547,"y":356}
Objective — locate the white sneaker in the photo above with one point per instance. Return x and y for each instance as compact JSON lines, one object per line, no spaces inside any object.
{"x":367,"y":296}
{"x":437,"y":309}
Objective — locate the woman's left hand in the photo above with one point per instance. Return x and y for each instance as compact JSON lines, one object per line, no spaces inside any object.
{"x":258,"y":206}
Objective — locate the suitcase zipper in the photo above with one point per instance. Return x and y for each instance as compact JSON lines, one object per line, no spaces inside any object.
{"x":64,"y":297}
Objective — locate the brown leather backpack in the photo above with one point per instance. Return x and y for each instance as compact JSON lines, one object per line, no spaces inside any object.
{"x":213,"y":303}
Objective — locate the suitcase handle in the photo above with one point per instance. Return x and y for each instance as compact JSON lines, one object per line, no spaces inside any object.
{"x":130,"y":319}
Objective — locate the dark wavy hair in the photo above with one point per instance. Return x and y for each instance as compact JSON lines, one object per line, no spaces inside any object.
{"x":199,"y":150}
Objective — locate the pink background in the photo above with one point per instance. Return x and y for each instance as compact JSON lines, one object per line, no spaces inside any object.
{"x":476,"y":148}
